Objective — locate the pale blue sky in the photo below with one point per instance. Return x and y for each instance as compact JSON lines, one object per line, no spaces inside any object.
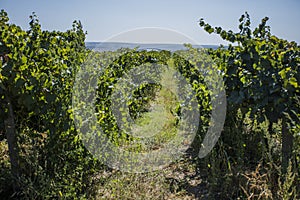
{"x":105,"y":18}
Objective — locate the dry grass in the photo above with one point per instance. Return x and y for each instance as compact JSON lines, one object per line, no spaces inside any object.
{"x":180,"y":180}
{"x":257,"y":186}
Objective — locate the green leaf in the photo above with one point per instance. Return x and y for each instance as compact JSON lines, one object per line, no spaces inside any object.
{"x":208,"y":29}
{"x":282,"y":74}
{"x":24,"y":59}
{"x":293,"y":82}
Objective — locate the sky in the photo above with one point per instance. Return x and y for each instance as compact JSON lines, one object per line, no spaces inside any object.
{"x":105,"y":19}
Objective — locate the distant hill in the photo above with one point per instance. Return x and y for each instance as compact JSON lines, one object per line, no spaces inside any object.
{"x":112,"y":46}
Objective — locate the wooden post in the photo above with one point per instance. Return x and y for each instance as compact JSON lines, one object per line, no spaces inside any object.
{"x":10,"y":129}
{"x":287,"y":146}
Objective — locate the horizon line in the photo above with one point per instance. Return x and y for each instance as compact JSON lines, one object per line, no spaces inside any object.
{"x":154,"y":43}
